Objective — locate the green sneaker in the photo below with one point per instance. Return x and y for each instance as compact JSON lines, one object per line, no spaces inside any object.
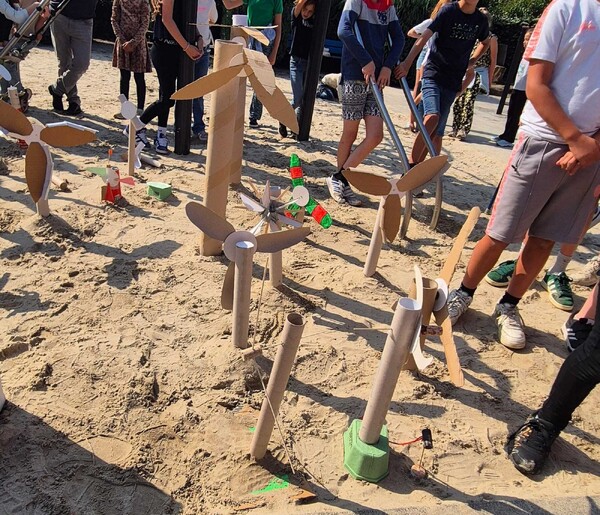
{"x":500,"y":276}
{"x":559,"y":290}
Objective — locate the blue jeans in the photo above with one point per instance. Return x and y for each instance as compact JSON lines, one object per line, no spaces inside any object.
{"x":297,"y":72}
{"x":256,"y":108}
{"x":437,"y":100}
{"x":200,"y":70}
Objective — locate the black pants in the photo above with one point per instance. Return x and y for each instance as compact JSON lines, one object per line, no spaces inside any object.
{"x":140,"y":86}
{"x":577,"y":377}
{"x":515,"y":108}
{"x":165,"y":59}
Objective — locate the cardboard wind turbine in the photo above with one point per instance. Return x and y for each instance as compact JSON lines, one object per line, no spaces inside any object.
{"x":392,"y":191}
{"x":129,"y":112}
{"x":111,"y":191}
{"x":435,"y":301}
{"x":239,"y":247}
{"x":38,"y":160}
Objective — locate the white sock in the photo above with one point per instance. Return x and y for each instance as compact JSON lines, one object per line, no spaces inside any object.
{"x":560,"y":264}
{"x":162,"y":132}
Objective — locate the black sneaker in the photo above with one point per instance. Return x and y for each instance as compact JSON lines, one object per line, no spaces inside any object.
{"x":57,"y":103}
{"x":73,"y":110}
{"x":530,"y":445}
{"x":576,"y":331}
{"x":283,"y":130}
{"x":253,"y":122}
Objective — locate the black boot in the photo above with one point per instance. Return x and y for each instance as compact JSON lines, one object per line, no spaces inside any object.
{"x":57,"y":103}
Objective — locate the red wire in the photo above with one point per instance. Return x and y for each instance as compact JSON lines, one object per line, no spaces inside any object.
{"x":407,"y":443}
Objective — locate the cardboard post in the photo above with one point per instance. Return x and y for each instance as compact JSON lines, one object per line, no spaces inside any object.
{"x":376,"y":242}
{"x":235,"y":170}
{"x":223,"y":109}
{"x":282,"y":367}
{"x":244,"y":253}
{"x":366,"y":448}
{"x":430,"y":289}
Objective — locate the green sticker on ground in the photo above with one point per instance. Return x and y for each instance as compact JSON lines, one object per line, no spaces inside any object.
{"x":276,"y":483}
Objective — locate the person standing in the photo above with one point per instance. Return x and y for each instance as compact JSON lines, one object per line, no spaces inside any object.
{"x":261,"y":13}
{"x":376,"y":20}
{"x":207,"y":14}
{"x":130,"y":20}
{"x":552,"y":182}
{"x":72,"y":39}
{"x":458,"y":26}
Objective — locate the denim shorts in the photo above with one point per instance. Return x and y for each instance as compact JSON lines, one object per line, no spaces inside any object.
{"x":437,"y":100}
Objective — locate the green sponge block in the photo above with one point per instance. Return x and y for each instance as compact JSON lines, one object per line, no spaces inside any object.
{"x":159,"y":190}
{"x":365,"y":461}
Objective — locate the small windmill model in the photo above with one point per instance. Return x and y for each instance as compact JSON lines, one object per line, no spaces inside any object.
{"x":129,"y":112}
{"x":239,"y":247}
{"x":312,"y":207}
{"x":38,"y":160}
{"x":392,"y":191}
{"x":111,"y":191}
{"x":435,"y":301}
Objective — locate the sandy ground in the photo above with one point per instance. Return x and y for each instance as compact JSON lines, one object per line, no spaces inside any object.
{"x":126,"y":394}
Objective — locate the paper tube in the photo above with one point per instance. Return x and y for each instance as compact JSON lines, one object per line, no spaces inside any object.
{"x":395,"y":352}
{"x":235,"y":170}
{"x":149,"y":161}
{"x":223,"y":110}
{"x":376,"y":242}
{"x":244,"y":252}
{"x":430,"y":288}
{"x":2,"y":397}
{"x":59,"y":182}
{"x":280,"y":374}
{"x":131,"y":150}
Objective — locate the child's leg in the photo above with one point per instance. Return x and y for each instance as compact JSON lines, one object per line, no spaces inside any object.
{"x":140,"y":88}
{"x":349,"y":133}
{"x":374,"y":135}
{"x":200,"y":70}
{"x":124,"y":83}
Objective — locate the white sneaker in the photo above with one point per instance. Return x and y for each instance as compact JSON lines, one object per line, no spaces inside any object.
{"x":350,"y":197}
{"x":336,"y":189}
{"x":458,"y":302}
{"x":495,"y":138}
{"x":510,"y":326}
{"x":588,"y":275}
{"x":504,"y":144}
{"x":461,"y":135}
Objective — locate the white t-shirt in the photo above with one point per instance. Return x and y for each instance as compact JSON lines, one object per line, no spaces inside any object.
{"x":419,"y":29}
{"x":568,"y":35}
{"x":521,"y":78}
{"x":207,"y":13}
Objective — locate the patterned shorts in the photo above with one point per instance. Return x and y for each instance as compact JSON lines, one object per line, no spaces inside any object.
{"x":358,"y":101}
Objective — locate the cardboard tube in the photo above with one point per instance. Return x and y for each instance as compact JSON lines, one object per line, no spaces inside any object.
{"x":395,"y":352}
{"x":42,"y":207}
{"x":430,"y":288}
{"x":290,"y":340}
{"x":251,"y":353}
{"x":237,"y":151}
{"x":223,"y":111}
{"x":59,"y":182}
{"x":131,"y":150}
{"x":244,"y":252}
{"x":149,"y":161}
{"x":376,"y":242}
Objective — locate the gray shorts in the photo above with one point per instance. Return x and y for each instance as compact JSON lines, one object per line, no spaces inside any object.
{"x":536,"y":195}
{"x":358,"y":101}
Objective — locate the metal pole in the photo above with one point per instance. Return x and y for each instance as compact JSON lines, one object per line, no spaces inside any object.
{"x":514,"y":66}
{"x":185,"y":75}
{"x":311,"y":78}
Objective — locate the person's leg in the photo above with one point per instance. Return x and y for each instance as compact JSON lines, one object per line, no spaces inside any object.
{"x":140,"y":89}
{"x":81,"y":47}
{"x":578,"y":327}
{"x":577,"y":377}
{"x":256,"y":108}
{"x":61,"y":40}
{"x":458,"y":114}
{"x":469,"y":109}
{"x":296,"y":80}
{"x":373,"y":136}
{"x":516,"y":104}
{"x":165,"y":61}
{"x":349,"y":133}
{"x":200,"y":70}
{"x":124,"y":83}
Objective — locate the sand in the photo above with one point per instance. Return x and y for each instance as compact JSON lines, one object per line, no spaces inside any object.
{"x":126,"y":395}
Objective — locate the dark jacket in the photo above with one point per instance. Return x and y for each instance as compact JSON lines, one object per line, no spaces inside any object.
{"x":77,"y":9}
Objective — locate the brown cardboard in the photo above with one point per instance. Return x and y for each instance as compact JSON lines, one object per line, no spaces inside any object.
{"x":14,"y":121}
{"x":391,"y":219}
{"x":459,"y":244}
{"x":430,"y":288}
{"x":442,"y":319}
{"x":368,"y":183}
{"x":227,"y":289}
{"x":261,"y":67}
{"x":211,"y":82}
{"x":256,"y":34}
{"x":65,"y":136}
{"x":36,"y":163}
{"x":237,"y":151}
{"x":376,"y":242}
{"x":277,"y":105}
{"x":244,"y":254}
{"x":422,"y":173}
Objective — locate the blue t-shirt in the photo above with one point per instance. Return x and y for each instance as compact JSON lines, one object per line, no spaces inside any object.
{"x":457,"y":33}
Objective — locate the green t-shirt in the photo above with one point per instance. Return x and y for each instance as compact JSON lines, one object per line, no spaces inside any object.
{"x":262,"y":12}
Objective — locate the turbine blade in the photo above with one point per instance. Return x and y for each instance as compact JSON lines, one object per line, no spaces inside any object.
{"x":422,"y":173}
{"x":251,"y":204}
{"x":227,"y":290}
{"x":206,"y":84}
{"x":276,"y":241}
{"x":368,"y":183}
{"x":391,"y":217}
{"x":256,"y":34}
{"x":36,"y":162}
{"x":452,"y":361}
{"x":65,"y":136}
{"x":277,"y":105}
{"x":288,"y":221}
{"x":14,"y":121}
{"x":261,"y":68}
{"x":208,"y":221}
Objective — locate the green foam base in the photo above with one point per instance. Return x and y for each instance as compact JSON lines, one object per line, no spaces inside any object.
{"x":159,"y":190}
{"x":365,"y":461}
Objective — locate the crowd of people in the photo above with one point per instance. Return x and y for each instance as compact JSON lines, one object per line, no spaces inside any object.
{"x":550,"y":187}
